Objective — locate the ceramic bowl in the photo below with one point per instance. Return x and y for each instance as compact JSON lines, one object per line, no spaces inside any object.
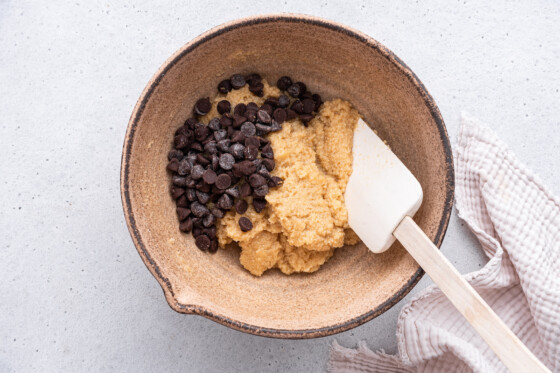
{"x":354,"y":286}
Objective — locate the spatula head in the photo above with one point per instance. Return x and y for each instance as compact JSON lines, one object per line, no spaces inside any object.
{"x":381,"y":190}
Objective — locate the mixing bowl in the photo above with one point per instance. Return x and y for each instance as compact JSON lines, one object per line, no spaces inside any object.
{"x":355,"y":285}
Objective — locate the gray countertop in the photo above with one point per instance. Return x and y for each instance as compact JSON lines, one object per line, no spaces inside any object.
{"x":75,"y":295}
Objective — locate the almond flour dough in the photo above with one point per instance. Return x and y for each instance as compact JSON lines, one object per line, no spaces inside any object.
{"x":305,"y":218}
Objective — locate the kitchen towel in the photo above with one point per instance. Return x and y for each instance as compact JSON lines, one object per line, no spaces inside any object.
{"x":517,"y":221}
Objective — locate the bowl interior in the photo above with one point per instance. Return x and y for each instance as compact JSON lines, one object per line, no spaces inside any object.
{"x":355,"y":285}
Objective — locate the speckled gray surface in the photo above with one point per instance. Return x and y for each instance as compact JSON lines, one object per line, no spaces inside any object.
{"x":75,"y":295}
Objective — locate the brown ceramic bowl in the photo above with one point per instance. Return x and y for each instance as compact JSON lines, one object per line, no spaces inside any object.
{"x":355,"y":285}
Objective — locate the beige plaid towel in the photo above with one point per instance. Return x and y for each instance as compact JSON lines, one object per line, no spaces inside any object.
{"x":517,"y":221}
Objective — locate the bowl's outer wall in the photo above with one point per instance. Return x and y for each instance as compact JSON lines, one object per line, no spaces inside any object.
{"x":355,"y":285}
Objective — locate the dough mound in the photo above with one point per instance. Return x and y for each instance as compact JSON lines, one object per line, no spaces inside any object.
{"x":305,"y":218}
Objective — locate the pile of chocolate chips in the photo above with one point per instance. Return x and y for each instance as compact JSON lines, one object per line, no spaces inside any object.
{"x":216,"y":166}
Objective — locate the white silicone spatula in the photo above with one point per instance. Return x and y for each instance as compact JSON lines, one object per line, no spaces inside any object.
{"x":382,"y":196}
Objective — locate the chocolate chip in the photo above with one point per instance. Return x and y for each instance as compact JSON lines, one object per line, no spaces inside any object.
{"x":208,"y":220}
{"x":237,"y":81}
{"x":234,"y":191}
{"x":275,"y":181}
{"x":302,"y":88}
{"x":197,"y":172}
{"x":261,"y":191}
{"x":190,"y":122}
{"x":253,"y":78}
{"x":290,"y":114}
{"x":223,"y":181}
{"x":201,"y":132}
{"x":259,"y":204}
{"x":258,"y":163}
{"x":218,"y":213}
{"x":197,"y":230}
{"x":210,"y":147}
{"x":223,"y":107}
{"x":209,"y":176}
{"x":213,"y":246}
{"x":215,"y":162}
{"x":253,"y":140}
{"x":180,"y":141}
{"x":202,"y":106}
{"x":267,"y":152}
{"x":220,"y":134}
{"x":262,"y":129}
{"x":263,"y":171}
{"x":306,"y":118}
{"x":203,"y":242}
{"x":174,"y":153}
{"x":237,"y":151}
{"x":284,"y":83}
{"x":214,"y":124}
{"x":272,"y":101}
{"x":297,"y":106}
{"x":223,"y":145}
{"x":225,"y":202}
{"x":241,"y":206}
{"x":279,"y":115}
{"x":256,"y":180}
{"x":252,"y":106}
{"x":248,"y":129}
{"x":247,"y":167}
{"x":196,"y":146}
{"x":268,"y":163}
{"x":236,"y":170}
{"x":238,"y":136}
{"x":191,"y":195}
{"x":275,"y":126}
{"x":257,"y":89}
{"x":182,"y":201}
{"x":251,"y":115}
{"x":263,"y":116}
{"x":179,"y":181}
{"x":226,"y":161}
{"x":177,"y":192}
{"x":308,"y":105}
{"x":201,"y":186}
{"x":186,"y":226}
{"x":198,"y":209}
{"x":224,"y":86}
{"x":208,"y":139}
{"x":318,"y":101}
{"x":184,"y":130}
{"x":305,"y":95}
{"x":251,"y":152}
{"x":294,"y":90}
{"x":210,"y":231}
{"x":245,"y":190}
{"x":190,"y":182}
{"x":238,"y":120}
{"x":267,"y":108}
{"x":225,"y":122}
{"x":191,"y":157}
{"x":202,"y":160}
{"x":245,"y":224}
{"x":240,"y":109}
{"x":283,"y":101}
{"x":183,"y":213}
{"x":173,"y":166}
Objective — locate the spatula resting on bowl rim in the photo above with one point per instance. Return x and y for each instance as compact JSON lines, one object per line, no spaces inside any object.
{"x":382,"y":196}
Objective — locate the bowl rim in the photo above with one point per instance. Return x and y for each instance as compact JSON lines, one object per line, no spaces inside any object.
{"x":126,"y":155}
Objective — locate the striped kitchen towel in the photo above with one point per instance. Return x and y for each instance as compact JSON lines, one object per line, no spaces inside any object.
{"x":517,"y":221}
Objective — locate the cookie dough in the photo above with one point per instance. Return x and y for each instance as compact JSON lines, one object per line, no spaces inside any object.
{"x":306,"y":218}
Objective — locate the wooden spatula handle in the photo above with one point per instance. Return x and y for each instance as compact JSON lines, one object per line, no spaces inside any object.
{"x":513,"y":353}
